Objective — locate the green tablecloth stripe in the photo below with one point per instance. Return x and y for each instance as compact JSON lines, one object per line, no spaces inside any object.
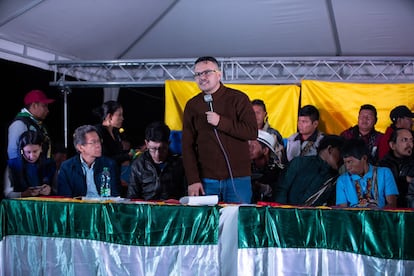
{"x":383,"y":234}
{"x":2,"y":224}
{"x":129,"y":224}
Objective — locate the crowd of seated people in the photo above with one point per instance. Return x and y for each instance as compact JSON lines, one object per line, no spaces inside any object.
{"x":364,"y":179}
{"x":314,"y":169}
{"x":324,"y":169}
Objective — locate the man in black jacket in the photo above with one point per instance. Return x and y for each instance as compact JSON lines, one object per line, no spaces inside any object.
{"x":399,"y":160}
{"x":157,"y":174}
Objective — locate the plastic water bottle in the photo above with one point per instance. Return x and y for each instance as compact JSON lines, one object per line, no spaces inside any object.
{"x":105,"y":182}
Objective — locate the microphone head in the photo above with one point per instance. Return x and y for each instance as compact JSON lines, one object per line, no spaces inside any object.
{"x":208,"y":98}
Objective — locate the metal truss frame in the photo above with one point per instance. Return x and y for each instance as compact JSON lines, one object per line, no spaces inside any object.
{"x":277,"y":70}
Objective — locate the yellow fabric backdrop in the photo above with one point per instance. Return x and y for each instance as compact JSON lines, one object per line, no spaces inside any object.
{"x":281,"y":101}
{"x":339,"y":103}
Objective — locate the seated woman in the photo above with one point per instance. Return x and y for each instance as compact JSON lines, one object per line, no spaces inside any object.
{"x":30,"y":174}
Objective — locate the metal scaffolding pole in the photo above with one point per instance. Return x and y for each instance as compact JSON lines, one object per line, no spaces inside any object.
{"x":277,"y":70}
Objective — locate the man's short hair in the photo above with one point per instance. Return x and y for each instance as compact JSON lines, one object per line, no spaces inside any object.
{"x":207,"y":58}
{"x":79,"y":136}
{"x":369,"y":107}
{"x":260,"y":103}
{"x":334,"y":141}
{"x":157,"y":132}
{"x":309,"y":111}
{"x":355,"y":147}
{"x":394,"y":134}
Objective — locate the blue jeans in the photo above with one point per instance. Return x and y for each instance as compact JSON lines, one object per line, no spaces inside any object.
{"x":237,"y":191}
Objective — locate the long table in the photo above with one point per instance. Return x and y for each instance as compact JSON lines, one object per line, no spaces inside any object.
{"x":79,"y":238}
{"x":69,"y":237}
{"x":323,"y":241}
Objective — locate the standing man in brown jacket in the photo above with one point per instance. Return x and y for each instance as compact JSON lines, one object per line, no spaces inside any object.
{"x":217,"y":124}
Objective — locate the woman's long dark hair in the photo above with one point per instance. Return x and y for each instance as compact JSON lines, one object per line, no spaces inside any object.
{"x":108,"y":107}
{"x":30,"y":137}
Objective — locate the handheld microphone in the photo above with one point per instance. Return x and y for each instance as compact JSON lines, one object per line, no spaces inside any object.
{"x":209,"y":100}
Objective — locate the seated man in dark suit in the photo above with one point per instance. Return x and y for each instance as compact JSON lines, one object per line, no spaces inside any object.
{"x":79,"y":175}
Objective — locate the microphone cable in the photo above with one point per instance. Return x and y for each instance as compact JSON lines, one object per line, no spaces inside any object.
{"x":208,"y":99}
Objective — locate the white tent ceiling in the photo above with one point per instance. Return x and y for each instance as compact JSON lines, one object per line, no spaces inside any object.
{"x":37,"y":31}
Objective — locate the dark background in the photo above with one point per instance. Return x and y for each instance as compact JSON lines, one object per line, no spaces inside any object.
{"x":141,"y":105}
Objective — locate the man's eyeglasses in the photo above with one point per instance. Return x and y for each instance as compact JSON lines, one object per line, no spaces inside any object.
{"x":93,"y":142}
{"x":204,"y":73}
{"x":160,"y":149}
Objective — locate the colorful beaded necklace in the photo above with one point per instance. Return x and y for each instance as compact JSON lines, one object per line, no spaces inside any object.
{"x":365,"y":199}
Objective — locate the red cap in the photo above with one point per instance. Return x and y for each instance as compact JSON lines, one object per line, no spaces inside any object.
{"x":36,"y":96}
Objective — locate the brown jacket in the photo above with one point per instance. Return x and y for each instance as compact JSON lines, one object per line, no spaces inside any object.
{"x":202,"y":153}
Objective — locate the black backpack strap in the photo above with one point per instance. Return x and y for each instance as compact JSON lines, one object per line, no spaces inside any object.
{"x":28,"y":122}
{"x":32,"y":125}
